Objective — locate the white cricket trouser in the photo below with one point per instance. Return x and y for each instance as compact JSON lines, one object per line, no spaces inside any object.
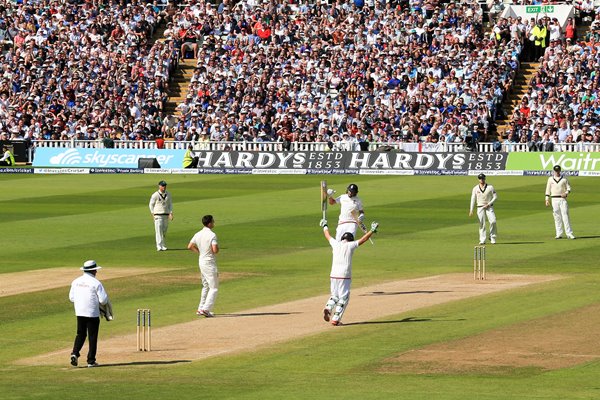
{"x":482,"y":214}
{"x":560,"y":210}
{"x":161,"y":223}
{"x":210,"y":287}
{"x":340,"y":297}
{"x":343,"y":228}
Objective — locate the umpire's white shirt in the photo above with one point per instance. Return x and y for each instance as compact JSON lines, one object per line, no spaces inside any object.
{"x":341,"y":266}
{"x":87,"y":293}
{"x":204,"y":239}
{"x":349,"y":206}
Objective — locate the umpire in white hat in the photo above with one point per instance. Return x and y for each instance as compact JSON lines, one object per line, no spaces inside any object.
{"x":87,"y":294}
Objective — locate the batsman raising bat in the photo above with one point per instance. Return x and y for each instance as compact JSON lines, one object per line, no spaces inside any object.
{"x":351,"y":211}
{"x":341,"y":271}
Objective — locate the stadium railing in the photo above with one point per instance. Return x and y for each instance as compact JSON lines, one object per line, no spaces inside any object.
{"x":487,"y":147}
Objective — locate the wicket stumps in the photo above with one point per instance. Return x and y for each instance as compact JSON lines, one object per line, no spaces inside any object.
{"x":144,"y":329}
{"x":479,"y":263}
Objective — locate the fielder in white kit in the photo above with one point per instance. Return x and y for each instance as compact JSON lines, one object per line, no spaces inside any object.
{"x":205,"y":244}
{"x":161,"y":209}
{"x":484,"y":196}
{"x":351,"y":211}
{"x":557,"y":189}
{"x":341,"y":271}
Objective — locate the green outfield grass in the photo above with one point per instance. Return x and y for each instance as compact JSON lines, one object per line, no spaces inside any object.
{"x":268,"y":229}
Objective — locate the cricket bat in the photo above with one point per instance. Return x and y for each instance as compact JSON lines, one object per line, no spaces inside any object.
{"x":324,"y":198}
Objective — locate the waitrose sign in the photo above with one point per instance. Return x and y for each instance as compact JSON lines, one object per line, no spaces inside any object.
{"x":544,"y":161}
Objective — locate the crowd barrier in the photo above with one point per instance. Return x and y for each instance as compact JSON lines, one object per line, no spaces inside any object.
{"x":487,"y":147}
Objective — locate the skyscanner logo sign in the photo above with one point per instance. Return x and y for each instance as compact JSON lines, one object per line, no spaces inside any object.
{"x":69,"y":157}
{"x":105,"y":158}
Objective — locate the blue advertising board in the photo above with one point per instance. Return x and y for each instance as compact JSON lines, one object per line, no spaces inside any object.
{"x":105,"y":158}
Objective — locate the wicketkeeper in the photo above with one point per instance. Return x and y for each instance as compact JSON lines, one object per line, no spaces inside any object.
{"x":341,"y":271}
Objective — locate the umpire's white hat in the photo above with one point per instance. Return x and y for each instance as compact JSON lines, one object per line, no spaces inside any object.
{"x":90,"y":265}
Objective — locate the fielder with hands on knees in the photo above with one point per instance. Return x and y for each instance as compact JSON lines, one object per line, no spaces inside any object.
{"x":557,"y":190}
{"x":484,"y":196}
{"x":161,"y":209}
{"x":341,"y":271}
{"x":205,"y":244}
{"x":351,"y":211}
{"x":88,"y":296}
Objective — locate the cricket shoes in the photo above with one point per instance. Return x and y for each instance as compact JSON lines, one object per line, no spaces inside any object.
{"x":205,"y":313}
{"x":493,"y":241}
{"x":92,"y":365}
{"x":73,"y":360}
{"x":571,"y":237}
{"x":163,"y":248}
{"x":336,"y":323}
{"x":326,"y":314}
{"x":558,"y":237}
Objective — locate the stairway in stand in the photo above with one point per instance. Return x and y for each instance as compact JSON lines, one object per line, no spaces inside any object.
{"x":519,"y":89}
{"x":179,"y":85}
{"x":180,"y":81}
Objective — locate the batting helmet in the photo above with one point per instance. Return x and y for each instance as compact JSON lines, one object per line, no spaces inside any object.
{"x":352,"y":188}
{"x":556,"y":168}
{"x":348,"y":237}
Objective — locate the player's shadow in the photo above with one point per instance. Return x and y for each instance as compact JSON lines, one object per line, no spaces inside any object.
{"x":529,"y":242}
{"x":255,"y":314}
{"x":411,"y":292}
{"x":402,"y":321}
{"x":143,"y":363}
{"x":588,"y":237}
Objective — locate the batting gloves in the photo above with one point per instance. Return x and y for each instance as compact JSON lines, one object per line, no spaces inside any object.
{"x":323,"y":224}
{"x":374,"y":227}
{"x":330,"y":192}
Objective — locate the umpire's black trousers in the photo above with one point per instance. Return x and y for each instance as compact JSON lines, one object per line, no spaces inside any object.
{"x":87,"y":326}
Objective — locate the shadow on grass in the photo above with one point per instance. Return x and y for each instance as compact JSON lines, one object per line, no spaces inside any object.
{"x":128,"y":364}
{"x":401,"y":321}
{"x":499,"y":244}
{"x":588,"y":237}
{"x":255,"y":314}
{"x":411,"y":292}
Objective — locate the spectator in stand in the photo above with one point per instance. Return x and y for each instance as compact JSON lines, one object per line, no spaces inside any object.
{"x":540,"y":34}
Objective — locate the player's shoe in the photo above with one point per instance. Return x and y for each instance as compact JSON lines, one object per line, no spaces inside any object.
{"x":73,"y":360}
{"x":163,"y":248}
{"x":326,"y":314}
{"x":336,"y":323}
{"x":92,"y":365}
{"x":558,"y":237}
{"x":206,"y":313}
{"x":571,"y":237}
